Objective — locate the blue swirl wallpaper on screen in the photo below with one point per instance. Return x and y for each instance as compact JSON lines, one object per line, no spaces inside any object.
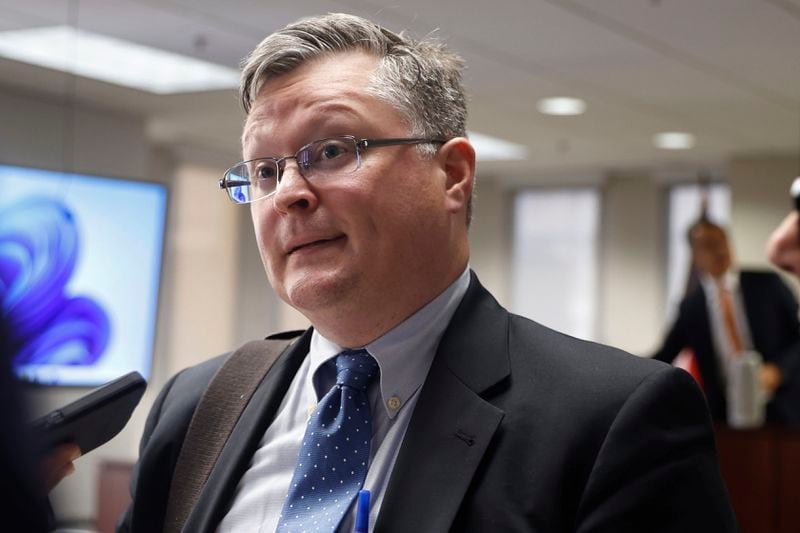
{"x":80,"y":260}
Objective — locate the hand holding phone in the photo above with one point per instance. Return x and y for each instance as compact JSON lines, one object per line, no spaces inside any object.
{"x":94,"y":419}
{"x":57,"y":464}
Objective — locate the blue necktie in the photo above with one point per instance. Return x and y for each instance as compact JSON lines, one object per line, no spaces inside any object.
{"x":333,"y":459}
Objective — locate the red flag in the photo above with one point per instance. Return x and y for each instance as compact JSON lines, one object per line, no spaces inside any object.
{"x":687,"y":361}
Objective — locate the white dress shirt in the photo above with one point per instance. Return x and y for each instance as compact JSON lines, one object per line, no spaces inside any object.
{"x":404,"y":355}
{"x":719,"y":333}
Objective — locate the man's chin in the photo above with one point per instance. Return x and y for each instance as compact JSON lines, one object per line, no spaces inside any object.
{"x":310,"y":293}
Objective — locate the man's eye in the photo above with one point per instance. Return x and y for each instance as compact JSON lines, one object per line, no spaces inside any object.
{"x":265,"y":172}
{"x":332,"y":151}
{"x":327,"y":154}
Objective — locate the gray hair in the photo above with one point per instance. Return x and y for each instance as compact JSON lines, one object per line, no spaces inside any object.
{"x":421,"y":79}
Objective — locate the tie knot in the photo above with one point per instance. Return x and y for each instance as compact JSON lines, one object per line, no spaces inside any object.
{"x":355,"y":368}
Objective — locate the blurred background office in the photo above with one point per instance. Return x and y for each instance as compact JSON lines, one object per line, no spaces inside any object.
{"x":592,"y":122}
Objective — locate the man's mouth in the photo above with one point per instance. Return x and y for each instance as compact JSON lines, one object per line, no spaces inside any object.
{"x":314,"y":244}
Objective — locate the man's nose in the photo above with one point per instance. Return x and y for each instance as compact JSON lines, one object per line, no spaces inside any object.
{"x":293,"y":190}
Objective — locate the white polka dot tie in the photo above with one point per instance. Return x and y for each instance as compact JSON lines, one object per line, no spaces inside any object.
{"x":334,"y":455}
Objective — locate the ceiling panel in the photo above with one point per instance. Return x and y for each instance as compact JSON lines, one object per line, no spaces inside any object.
{"x":749,"y":44}
{"x":727,"y":70}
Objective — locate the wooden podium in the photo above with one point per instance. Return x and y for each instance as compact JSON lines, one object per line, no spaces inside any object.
{"x":113,"y":494}
{"x":761,"y":468}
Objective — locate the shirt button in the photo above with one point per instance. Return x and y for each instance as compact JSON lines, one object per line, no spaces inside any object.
{"x":394,"y":403}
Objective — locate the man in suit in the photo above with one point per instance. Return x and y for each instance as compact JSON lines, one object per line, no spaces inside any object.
{"x":360,"y":179}
{"x":730,"y":312}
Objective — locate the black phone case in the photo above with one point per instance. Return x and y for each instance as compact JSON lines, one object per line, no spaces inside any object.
{"x":94,"y":419}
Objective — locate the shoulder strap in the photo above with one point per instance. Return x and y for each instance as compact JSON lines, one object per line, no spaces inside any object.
{"x":214,"y":418}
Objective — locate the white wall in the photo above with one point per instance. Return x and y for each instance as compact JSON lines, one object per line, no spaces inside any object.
{"x":631,"y":264}
{"x":258,"y":310}
{"x":490,"y":236}
{"x":760,"y":200}
{"x":203,"y":244}
{"x":630,"y":299}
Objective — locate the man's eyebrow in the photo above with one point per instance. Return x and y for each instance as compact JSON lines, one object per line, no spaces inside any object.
{"x":336,"y":107}
{"x":326,"y":121}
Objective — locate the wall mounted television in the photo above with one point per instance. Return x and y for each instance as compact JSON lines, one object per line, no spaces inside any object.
{"x":80,"y":265}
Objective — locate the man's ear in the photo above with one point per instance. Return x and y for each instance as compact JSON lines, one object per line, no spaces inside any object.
{"x":458,"y":159}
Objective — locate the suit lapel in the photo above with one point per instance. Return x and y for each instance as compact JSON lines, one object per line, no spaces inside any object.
{"x":235,"y":457}
{"x":452,"y":424}
{"x":750,"y":299}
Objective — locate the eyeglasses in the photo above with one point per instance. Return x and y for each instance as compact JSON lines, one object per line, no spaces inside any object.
{"x":253,"y":180}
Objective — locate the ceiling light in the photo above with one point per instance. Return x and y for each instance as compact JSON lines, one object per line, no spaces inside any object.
{"x":114,"y":61}
{"x":673,"y":140}
{"x":561,"y":106}
{"x":488,"y":148}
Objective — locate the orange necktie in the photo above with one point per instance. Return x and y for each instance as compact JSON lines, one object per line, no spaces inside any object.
{"x":726,"y":304}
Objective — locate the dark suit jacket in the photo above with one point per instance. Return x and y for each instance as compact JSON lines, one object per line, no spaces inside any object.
{"x":517,"y":428}
{"x":771,"y":312}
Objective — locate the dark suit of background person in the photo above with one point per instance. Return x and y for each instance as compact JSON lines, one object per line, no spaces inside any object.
{"x":515,"y":427}
{"x":771,"y":313}
{"x":518,"y":428}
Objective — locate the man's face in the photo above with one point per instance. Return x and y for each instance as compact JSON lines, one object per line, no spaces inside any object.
{"x":710,"y":250}
{"x":360,"y":241}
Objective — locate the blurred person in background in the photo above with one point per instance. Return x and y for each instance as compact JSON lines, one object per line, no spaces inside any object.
{"x":26,"y":475}
{"x":729,"y":312}
{"x":21,"y":498}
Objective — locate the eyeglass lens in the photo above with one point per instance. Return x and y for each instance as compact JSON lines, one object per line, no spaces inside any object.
{"x":252,"y":180}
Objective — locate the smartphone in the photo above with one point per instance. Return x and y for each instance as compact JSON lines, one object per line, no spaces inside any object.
{"x":94,"y":419}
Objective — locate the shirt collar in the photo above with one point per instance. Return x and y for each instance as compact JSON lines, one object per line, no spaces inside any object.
{"x":404,"y":353}
{"x":729,"y":280}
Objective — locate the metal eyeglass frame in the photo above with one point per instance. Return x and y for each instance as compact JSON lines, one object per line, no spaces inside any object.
{"x":360,"y":144}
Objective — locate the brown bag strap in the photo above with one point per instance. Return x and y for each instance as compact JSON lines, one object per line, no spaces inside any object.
{"x":213,"y":421}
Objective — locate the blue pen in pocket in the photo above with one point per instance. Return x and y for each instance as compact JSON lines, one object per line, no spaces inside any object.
{"x":362,"y":512}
